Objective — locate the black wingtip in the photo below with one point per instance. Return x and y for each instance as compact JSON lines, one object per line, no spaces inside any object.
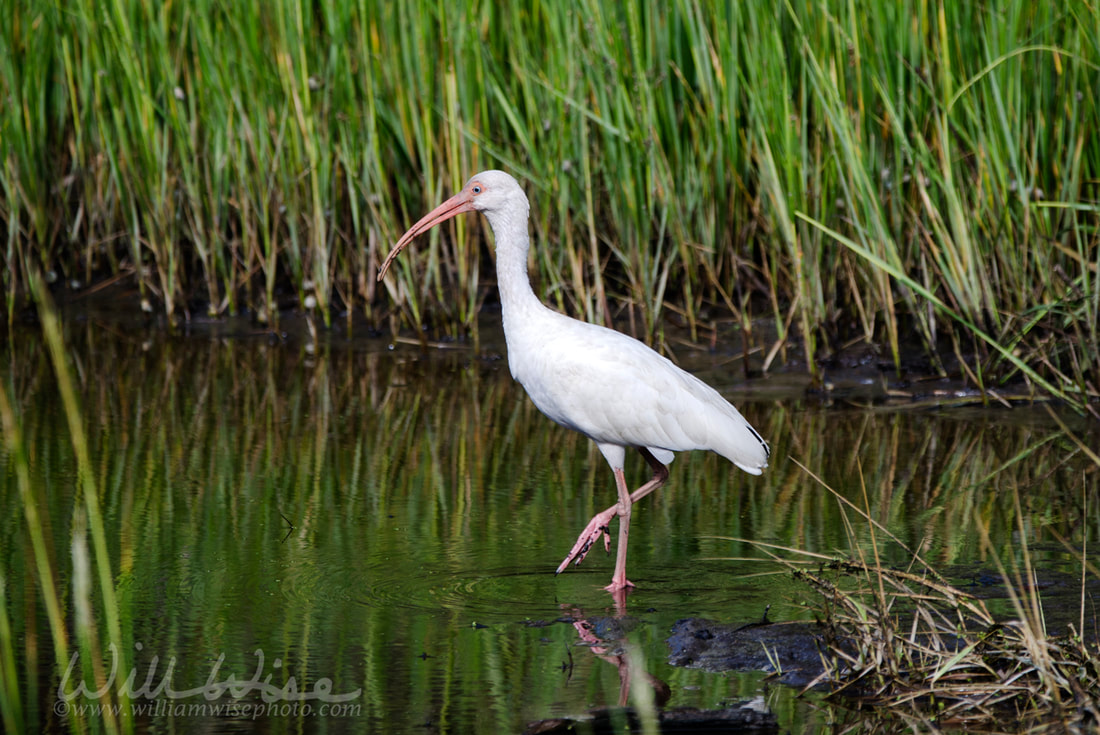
{"x":767,"y":449}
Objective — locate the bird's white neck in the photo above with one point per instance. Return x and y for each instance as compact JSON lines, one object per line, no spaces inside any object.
{"x":517,"y":298}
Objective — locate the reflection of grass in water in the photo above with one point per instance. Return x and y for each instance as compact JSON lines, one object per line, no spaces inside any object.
{"x":204,"y":445}
{"x":42,"y":546}
{"x":87,"y":517}
{"x":913,"y":647}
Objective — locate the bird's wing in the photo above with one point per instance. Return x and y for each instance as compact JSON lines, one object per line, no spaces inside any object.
{"x":616,"y":390}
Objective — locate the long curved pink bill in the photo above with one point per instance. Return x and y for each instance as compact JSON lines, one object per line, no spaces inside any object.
{"x":459,"y":203}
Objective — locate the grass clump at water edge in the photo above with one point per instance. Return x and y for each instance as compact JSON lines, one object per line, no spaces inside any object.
{"x":913,"y":646}
{"x":906,"y":644}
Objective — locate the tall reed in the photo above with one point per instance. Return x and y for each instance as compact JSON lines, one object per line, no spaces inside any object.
{"x":690,"y":158}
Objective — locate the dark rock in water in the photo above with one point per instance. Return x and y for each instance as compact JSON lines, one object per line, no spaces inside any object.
{"x":795,"y":648}
{"x":751,"y":716}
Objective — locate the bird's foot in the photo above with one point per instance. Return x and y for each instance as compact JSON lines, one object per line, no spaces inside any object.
{"x":619,"y":586}
{"x":619,"y":589}
{"x":596,"y":528}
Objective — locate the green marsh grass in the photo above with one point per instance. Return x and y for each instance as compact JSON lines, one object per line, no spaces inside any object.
{"x":683,"y":161}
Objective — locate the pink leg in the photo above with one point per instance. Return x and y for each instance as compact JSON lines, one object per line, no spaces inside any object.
{"x":626,"y":504}
{"x":598,"y":526}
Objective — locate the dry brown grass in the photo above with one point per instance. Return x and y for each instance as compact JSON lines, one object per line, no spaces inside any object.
{"x":922,"y":650}
{"x":910,"y":646}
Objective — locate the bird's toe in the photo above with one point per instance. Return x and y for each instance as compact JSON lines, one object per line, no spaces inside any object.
{"x":596,"y":528}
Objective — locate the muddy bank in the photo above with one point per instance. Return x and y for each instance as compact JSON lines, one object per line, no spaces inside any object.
{"x":793,"y":650}
{"x":855,"y":373}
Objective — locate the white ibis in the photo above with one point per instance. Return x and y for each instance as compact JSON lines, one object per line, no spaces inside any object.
{"x":602,"y":383}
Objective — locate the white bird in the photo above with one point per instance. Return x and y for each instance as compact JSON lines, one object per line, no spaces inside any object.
{"x":606,"y":385}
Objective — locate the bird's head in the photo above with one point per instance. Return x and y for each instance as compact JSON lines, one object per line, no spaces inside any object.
{"x":491,"y":191}
{"x":494,"y":193}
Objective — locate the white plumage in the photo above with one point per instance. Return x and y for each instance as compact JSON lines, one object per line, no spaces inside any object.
{"x":620,"y":393}
{"x":602,"y":383}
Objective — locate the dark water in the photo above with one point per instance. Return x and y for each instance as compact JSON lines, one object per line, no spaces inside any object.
{"x":364,"y":539}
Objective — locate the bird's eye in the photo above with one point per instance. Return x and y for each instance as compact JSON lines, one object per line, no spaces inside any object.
{"x":476,"y":189}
